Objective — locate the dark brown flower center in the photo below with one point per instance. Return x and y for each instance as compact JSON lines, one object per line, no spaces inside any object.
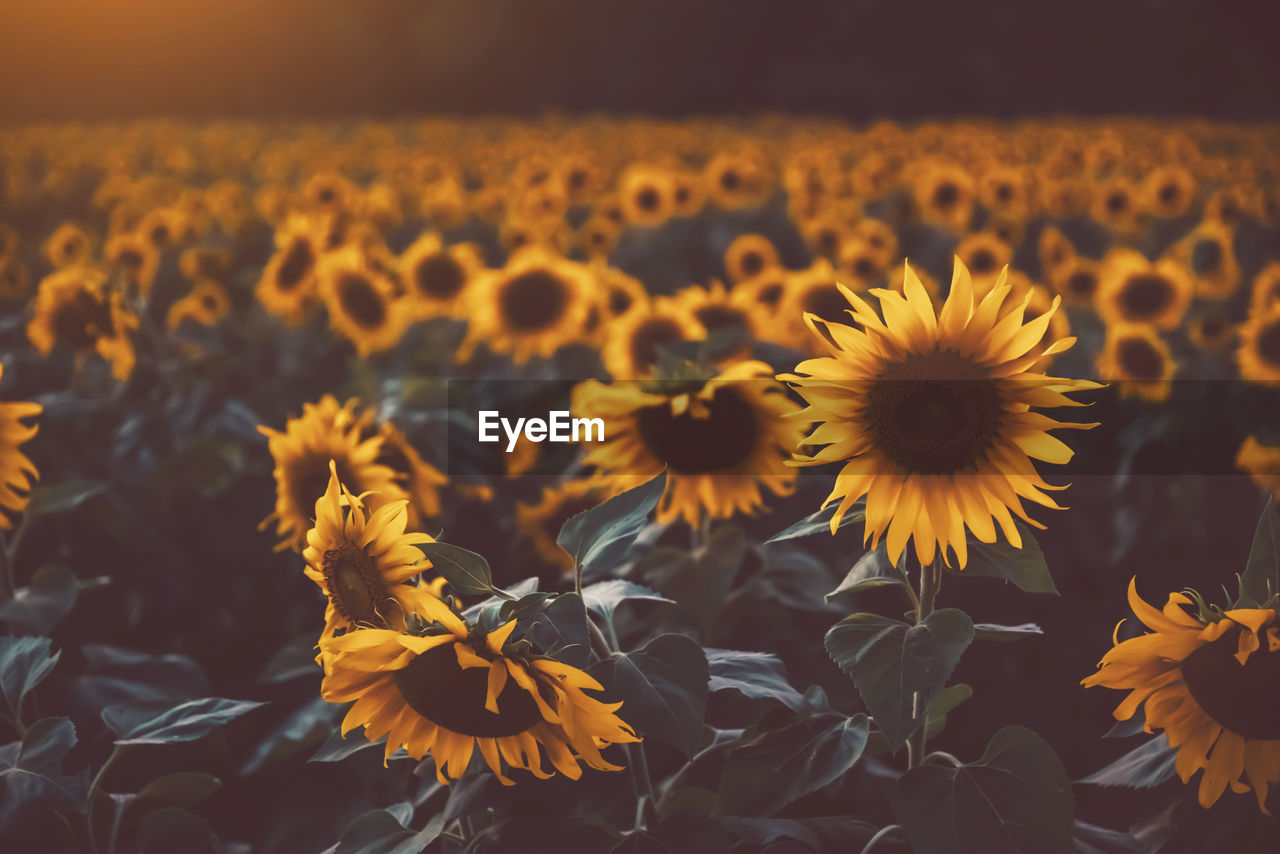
{"x":1244,"y":699}
{"x":1139,"y":360}
{"x":936,"y":413}
{"x":730,"y":180}
{"x":864,"y":267}
{"x":827,"y":302}
{"x":1082,"y":283}
{"x":620,"y":300}
{"x":982,"y":261}
{"x":945,"y":195}
{"x":647,"y":200}
{"x":1206,"y":257}
{"x":720,"y":442}
{"x":1170,"y":194}
{"x":1146,"y":296}
{"x":1269,"y":344}
{"x":435,"y":687}
{"x":650,"y":337}
{"x":1117,"y":203}
{"x":295,"y":265}
{"x":751,"y":263}
{"x":360,"y":301}
{"x":770,"y":294}
{"x":355,"y":586}
{"x":533,"y":301}
{"x":80,"y":320}
{"x":716,"y":317}
{"x":439,"y":276}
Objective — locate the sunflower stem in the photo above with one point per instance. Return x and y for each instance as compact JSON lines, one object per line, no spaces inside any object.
{"x":94,"y":787}
{"x":882,"y":834}
{"x":930,"y":583}
{"x":6,"y":570}
{"x":646,"y":800}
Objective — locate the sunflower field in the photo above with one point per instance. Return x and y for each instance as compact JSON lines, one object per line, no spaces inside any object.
{"x":639,"y":485}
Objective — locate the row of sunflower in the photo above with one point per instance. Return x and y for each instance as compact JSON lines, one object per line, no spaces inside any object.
{"x":200,"y":288}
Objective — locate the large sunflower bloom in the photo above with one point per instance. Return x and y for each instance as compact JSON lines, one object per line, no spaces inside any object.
{"x":934,"y":414}
{"x":325,"y":431}
{"x":1210,"y":686}
{"x":450,"y":692}
{"x":17,"y":473}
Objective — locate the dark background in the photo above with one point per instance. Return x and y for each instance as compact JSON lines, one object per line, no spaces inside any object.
{"x":84,"y":59}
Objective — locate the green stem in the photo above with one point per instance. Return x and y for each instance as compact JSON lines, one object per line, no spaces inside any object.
{"x":6,"y":570}
{"x":930,"y":582}
{"x":882,"y":834}
{"x":637,"y":763}
{"x":116,"y":752}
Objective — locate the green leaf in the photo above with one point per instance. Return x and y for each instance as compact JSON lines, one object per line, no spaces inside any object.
{"x":640,"y":842}
{"x":24,"y":664}
{"x":31,"y":771}
{"x":1006,"y":634}
{"x":771,"y":768}
{"x":820,"y":522}
{"x":116,"y":676}
{"x":171,"y":829}
{"x":61,"y":497}
{"x":44,"y":602}
{"x":307,"y":726}
{"x":1261,"y":577}
{"x":292,"y":661}
{"x":759,"y":675}
{"x":663,"y":689}
{"x":560,"y":630}
{"x":1147,"y":765}
{"x":951,"y":697}
{"x":604,"y":597}
{"x":599,"y":539}
{"x":700,"y":581}
{"x":163,"y":722}
{"x":1025,"y":568}
{"x":338,"y":747}
{"x":826,"y":833}
{"x":897,"y":668}
{"x":466,"y":571}
{"x":1015,"y":800}
{"x":180,"y":788}
{"x":383,"y":832}
{"x":873,"y":570}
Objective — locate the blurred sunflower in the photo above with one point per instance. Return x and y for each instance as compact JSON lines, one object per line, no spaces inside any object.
{"x":287,"y":288}
{"x":935,"y":414}
{"x":1135,"y":290}
{"x":1259,"y":353}
{"x":203,"y":263}
{"x":1169,"y":191}
{"x":646,"y":194}
{"x":421,"y":479}
{"x":15,"y":281}
{"x":135,"y":259}
{"x":825,"y":235}
{"x":1211,"y":331}
{"x":206,"y":304}
{"x":597,"y":236}
{"x":811,"y":291}
{"x":1208,"y":253}
{"x":1055,"y":251}
{"x":455,"y":689}
{"x":720,"y":439}
{"x":1266,"y":289}
{"x":984,"y":255}
{"x":324,"y":432}
{"x":737,"y":179}
{"x":361,"y":302}
{"x":635,"y":341}
{"x":69,"y":245}
{"x":1262,"y":462}
{"x":620,"y":294}
{"x":17,"y":472}
{"x":1076,"y":281}
{"x":729,"y":315}
{"x":1230,"y":206}
{"x":1210,"y":682}
{"x":1006,"y":192}
{"x":1138,"y":360}
{"x":749,"y":255}
{"x":1116,"y":205}
{"x":541,"y":521}
{"x":688,"y":194}
{"x":862,"y":265}
{"x":362,"y":561}
{"x":533,"y":306}
{"x":10,"y":240}
{"x":944,"y":194}
{"x":438,"y":276}
{"x":75,"y":308}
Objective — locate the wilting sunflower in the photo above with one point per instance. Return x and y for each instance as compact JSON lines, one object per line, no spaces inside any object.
{"x":1259,"y":354}
{"x":1266,"y":289}
{"x":361,"y":302}
{"x":421,"y":479}
{"x":205,"y":305}
{"x":748,"y":256}
{"x":287,"y":288}
{"x":1139,"y":361}
{"x":325,"y":431}
{"x":436,"y":276}
{"x":935,"y":414}
{"x":454,"y":689}
{"x":69,"y":245}
{"x":635,"y":341}
{"x":533,"y":306}
{"x":75,"y":308}
{"x":541,"y":522}
{"x":362,"y":561}
{"x":17,"y":473}
{"x":1262,"y":462}
{"x":1210,"y":684}
{"x":720,"y":439}
{"x":1135,"y":290}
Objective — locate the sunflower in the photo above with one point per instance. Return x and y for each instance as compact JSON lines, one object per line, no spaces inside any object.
{"x":944,"y":194}
{"x":15,"y":281}
{"x":984,"y":255}
{"x":1209,"y":681}
{"x":421,"y":479}
{"x":688,"y":193}
{"x":597,"y":236}
{"x":455,"y":689}
{"x":620,"y":294}
{"x":1116,"y":205}
{"x":765,"y":293}
{"x":748,"y":256}
{"x":533,"y":306}
{"x":1230,"y":206}
{"x":723,"y":313}
{"x":1077,"y":281}
{"x":75,"y":308}
{"x":206,"y":304}
{"x":738,"y":179}
{"x":202,"y":263}
{"x":935,"y":414}
{"x":862,"y":265}
{"x":810,"y":291}
{"x":17,"y":473}
{"x":647,"y":195}
{"x":1169,"y":192}
{"x":1055,"y":251}
{"x":825,"y":235}
{"x":437,"y":277}
{"x":1006,"y":192}
{"x":541,"y":522}
{"x":362,"y":561}
{"x":1134,"y":290}
{"x":135,"y":259}
{"x":324,"y":432}
{"x":636,"y":340}
{"x":287,"y":288}
{"x":1208,"y":253}
{"x":1266,"y":289}
{"x":1259,"y":353}
{"x":330,"y":192}
{"x":1039,"y":303}
{"x":719,"y":439}
{"x":1139,"y":360}
{"x":69,"y":245}
{"x":361,"y":302}
{"x":1262,"y":462}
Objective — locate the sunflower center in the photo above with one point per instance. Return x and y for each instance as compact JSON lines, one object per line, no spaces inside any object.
{"x":1004,"y":192}
{"x":1269,"y":344}
{"x":647,"y":200}
{"x":751,"y":264}
{"x":1082,"y":283}
{"x":1117,"y":202}
{"x":533,"y":301}
{"x":717,"y":443}
{"x":946,"y":195}
{"x":439,"y":277}
{"x":936,"y":413}
{"x":983,"y":261}
{"x":297,"y":261}
{"x":355,"y":587}
{"x":828,"y":303}
{"x":1245,"y":699}
{"x":770,"y":294}
{"x":130,"y":259}
{"x":1145,"y":296}
{"x":716,"y":317}
{"x":439,"y":690}
{"x":1206,"y":255}
{"x":1140,"y":360}
{"x":864,"y":267}
{"x":80,"y":320}
{"x":730,"y":179}
{"x":361,"y":302}
{"x":1169,"y":194}
{"x":619,"y":302}
{"x":650,"y":337}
